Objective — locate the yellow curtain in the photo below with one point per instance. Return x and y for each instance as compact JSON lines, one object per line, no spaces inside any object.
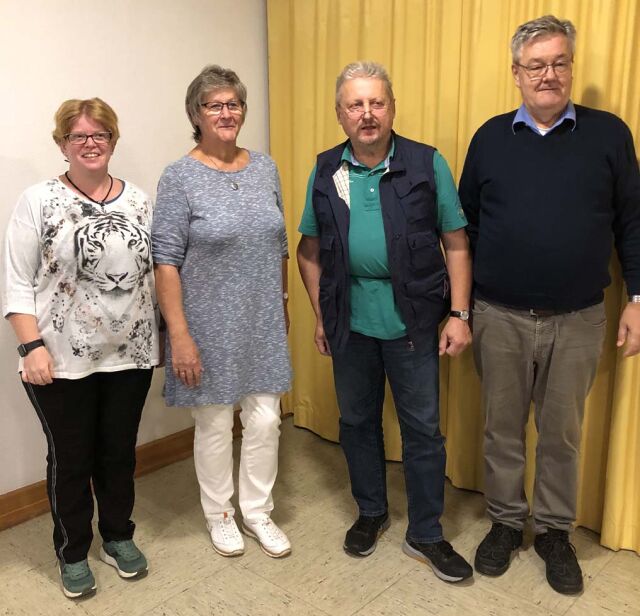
{"x":450,"y":65}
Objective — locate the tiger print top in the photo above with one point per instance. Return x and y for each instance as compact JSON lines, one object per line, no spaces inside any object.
{"x":85,"y":272}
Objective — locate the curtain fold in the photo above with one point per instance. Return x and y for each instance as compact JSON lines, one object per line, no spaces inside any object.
{"x":450,"y":65}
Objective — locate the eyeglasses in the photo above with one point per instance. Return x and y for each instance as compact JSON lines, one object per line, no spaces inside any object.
{"x":81,"y":138}
{"x":358,"y":109}
{"x":538,"y":71}
{"x":235,"y":107}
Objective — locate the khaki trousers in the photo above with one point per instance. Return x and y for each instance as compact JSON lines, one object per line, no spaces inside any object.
{"x":550,"y":361}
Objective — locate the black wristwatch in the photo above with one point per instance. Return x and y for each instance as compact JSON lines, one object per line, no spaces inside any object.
{"x":25,"y":349}
{"x":463,"y":315}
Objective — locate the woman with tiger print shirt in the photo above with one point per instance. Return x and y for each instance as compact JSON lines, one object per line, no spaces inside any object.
{"x":80,"y":297}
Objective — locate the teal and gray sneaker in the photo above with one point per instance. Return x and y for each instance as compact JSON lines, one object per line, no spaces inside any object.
{"x":125,"y":556}
{"x":77,"y":579}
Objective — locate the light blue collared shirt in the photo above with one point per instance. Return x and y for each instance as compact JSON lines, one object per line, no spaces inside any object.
{"x":522,"y":117}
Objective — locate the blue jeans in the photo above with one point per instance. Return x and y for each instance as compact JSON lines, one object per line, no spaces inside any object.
{"x":359,"y":374}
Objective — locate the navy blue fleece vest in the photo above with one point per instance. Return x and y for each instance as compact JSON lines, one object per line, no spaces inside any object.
{"x":410,"y":215}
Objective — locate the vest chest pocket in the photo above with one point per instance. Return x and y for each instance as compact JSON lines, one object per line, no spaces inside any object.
{"x":424,"y":250}
{"x":417,"y":199}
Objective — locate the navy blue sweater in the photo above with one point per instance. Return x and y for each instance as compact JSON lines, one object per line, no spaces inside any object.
{"x":542,"y":211}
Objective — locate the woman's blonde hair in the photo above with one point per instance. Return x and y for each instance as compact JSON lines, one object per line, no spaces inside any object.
{"x":94,"y":108}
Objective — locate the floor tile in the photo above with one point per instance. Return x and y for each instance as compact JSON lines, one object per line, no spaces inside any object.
{"x":35,"y":592}
{"x":178,"y":559}
{"x":32,"y":541}
{"x":319,"y":572}
{"x":169,"y":490}
{"x":420,"y":592}
{"x":615,"y":590}
{"x":234,"y":592}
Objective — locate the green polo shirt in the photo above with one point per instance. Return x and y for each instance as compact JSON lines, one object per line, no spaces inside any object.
{"x":373,"y":308}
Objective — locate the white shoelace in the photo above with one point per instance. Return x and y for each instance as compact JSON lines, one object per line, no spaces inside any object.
{"x":230,"y":529}
{"x":271,"y":529}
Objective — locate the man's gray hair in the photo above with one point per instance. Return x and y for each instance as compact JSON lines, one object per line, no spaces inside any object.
{"x":211,"y":78}
{"x":543,"y":26}
{"x":366,"y":70}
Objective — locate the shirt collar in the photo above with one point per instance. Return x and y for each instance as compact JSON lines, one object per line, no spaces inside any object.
{"x":348,"y":156}
{"x":522,"y":117}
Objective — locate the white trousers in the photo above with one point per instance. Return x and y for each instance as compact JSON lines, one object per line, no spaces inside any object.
{"x":213,"y":456}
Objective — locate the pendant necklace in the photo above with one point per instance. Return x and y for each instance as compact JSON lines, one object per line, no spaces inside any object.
{"x":232,"y":184}
{"x":101,"y":203}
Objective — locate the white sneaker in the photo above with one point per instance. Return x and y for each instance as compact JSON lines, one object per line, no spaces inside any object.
{"x":225,"y":536}
{"x":272,"y":540}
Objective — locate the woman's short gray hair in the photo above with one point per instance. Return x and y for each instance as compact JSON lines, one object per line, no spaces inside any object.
{"x":363,"y":69}
{"x":546,"y":25}
{"x":210,"y":78}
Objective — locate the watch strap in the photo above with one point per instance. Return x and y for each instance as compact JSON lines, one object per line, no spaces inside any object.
{"x":27,"y":347}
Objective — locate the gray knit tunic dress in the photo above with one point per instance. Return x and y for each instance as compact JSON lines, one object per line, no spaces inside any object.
{"x":228,"y":246}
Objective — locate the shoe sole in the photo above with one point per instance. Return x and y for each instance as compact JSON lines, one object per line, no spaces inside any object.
{"x":110,"y":560}
{"x":238,"y":552}
{"x":563,"y":589}
{"x":76,"y":595}
{"x":413,"y":553}
{"x":384,"y":526}
{"x":251,"y":534}
{"x":489,"y":570}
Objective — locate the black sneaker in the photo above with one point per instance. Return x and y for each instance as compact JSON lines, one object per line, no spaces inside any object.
{"x":493,"y":555}
{"x":446,"y":563}
{"x":362,"y":537}
{"x":563,"y":571}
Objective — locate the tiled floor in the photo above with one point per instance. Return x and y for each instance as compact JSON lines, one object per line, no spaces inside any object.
{"x":314,"y":507}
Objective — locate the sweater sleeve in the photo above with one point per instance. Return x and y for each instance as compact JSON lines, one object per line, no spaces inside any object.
{"x":469,"y":192}
{"x":171,"y":219}
{"x":22,"y":256}
{"x":626,"y":203}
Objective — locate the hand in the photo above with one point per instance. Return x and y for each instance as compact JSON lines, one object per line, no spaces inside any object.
{"x":629,"y":330}
{"x":455,"y":337}
{"x":321,"y":340}
{"x":186,"y":360}
{"x":37,"y":367}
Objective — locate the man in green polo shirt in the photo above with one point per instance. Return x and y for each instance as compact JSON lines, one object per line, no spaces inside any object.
{"x":376,"y":210}
{"x":373,"y":309}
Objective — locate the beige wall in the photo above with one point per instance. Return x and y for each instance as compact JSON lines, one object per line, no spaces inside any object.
{"x":139,"y":56}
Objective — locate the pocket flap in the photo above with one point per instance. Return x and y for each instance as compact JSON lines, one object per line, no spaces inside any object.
{"x":403,"y":186}
{"x":422,"y":238}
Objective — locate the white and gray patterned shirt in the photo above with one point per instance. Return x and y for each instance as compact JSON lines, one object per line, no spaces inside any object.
{"x":228,"y":246}
{"x":84,"y":271}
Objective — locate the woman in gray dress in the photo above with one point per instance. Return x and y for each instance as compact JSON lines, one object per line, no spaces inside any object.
{"x":220,"y":251}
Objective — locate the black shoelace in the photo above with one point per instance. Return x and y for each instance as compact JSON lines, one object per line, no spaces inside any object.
{"x":365,"y":524}
{"x":500,"y":538}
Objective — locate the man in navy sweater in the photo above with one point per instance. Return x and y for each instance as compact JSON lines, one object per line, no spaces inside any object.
{"x":544,"y":189}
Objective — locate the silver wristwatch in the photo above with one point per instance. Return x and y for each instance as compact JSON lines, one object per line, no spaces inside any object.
{"x":463,"y":315}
